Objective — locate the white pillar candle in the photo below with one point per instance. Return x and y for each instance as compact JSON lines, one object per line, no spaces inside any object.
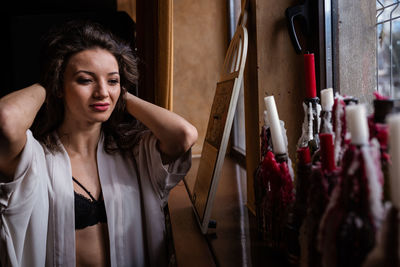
{"x":275,"y":126}
{"x":394,"y":151}
{"x":327,"y":99}
{"x":356,"y":119}
{"x":266,"y":118}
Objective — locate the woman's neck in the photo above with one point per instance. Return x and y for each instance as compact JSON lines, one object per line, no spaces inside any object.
{"x":79,"y":139}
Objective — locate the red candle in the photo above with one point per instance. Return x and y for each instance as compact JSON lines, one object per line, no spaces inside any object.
{"x":309,"y":66}
{"x":303,"y":154}
{"x":327,"y":152}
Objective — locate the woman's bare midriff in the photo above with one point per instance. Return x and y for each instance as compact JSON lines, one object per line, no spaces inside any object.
{"x":92,"y":247}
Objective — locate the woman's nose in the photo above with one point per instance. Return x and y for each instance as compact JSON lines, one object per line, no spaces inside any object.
{"x":101,"y":90}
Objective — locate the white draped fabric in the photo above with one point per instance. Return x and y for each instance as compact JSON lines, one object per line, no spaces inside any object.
{"x":37,"y":225}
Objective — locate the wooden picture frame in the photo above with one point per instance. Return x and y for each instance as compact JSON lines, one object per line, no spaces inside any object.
{"x":219,"y":126}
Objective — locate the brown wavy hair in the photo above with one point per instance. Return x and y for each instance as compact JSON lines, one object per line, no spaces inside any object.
{"x":120,"y":131}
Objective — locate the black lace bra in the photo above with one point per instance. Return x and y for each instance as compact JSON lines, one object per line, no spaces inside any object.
{"x":88,"y":211}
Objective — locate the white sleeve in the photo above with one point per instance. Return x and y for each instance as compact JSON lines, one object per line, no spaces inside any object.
{"x":163,"y":177}
{"x":17,"y":200}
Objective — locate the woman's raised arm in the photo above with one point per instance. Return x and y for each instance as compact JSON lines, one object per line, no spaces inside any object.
{"x":17,"y":112}
{"x":174,"y":133}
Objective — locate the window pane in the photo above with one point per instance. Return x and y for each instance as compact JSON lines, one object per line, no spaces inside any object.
{"x":388,"y":47}
{"x":238,"y":129}
{"x":239,"y":137}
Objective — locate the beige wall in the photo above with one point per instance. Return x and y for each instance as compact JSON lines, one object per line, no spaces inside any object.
{"x":281,"y":70}
{"x":200,"y":44}
{"x":129,"y":6}
{"x":273,"y":68}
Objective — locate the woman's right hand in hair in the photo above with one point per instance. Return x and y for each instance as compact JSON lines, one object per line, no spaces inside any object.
{"x":17,"y":113}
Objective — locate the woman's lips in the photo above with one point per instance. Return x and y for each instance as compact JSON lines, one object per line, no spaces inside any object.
{"x":100,"y":106}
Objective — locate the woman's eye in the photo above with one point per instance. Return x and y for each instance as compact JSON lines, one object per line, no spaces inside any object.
{"x":84,"y":81}
{"x":113,"y":82}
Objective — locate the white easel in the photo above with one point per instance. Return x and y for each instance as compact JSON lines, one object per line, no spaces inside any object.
{"x":220,"y":124}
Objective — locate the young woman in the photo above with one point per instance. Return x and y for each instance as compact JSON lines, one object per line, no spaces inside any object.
{"x":85,"y":187}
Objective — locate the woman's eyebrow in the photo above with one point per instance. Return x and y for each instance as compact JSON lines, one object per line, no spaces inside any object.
{"x":85,"y":71}
{"x":93,"y":74}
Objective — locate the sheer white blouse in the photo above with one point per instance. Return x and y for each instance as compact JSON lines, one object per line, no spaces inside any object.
{"x":37,"y":223}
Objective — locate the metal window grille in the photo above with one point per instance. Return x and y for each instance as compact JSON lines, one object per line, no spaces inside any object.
{"x":388,"y":47}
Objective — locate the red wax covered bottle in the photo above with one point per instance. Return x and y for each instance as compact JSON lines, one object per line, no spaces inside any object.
{"x":327,"y":147}
{"x":312,"y":108}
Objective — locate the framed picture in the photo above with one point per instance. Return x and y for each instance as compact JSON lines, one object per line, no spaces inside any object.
{"x":219,"y":128}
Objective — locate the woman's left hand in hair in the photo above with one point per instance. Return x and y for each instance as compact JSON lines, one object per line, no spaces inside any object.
{"x":175,"y":134}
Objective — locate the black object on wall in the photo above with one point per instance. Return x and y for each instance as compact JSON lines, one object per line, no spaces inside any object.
{"x":314,"y":21}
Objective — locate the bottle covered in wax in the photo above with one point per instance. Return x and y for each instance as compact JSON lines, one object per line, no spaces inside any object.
{"x":378,"y":129}
{"x":299,"y":209}
{"x":312,"y":108}
{"x":387,"y":251}
{"x":322,"y":181}
{"x":348,"y":227}
{"x":326,"y":114}
{"x":277,"y":181}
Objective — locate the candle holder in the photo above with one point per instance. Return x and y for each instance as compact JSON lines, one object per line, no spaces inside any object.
{"x":280,"y":158}
{"x":386,"y":253}
{"x":274,"y":197}
{"x":391,"y":238}
{"x":349,"y":224}
{"x":382,"y":107}
{"x":311,"y":124}
{"x":315,"y":116}
{"x":350,"y":100}
{"x":379,"y":130}
{"x":327,"y":100}
{"x":326,"y":122}
{"x":299,"y":208}
{"x":313,"y":144}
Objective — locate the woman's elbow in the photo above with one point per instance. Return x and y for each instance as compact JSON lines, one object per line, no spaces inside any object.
{"x":6,"y":123}
{"x":191,"y":136}
{"x":186,"y":139}
{"x":180,"y":142}
{"x":11,"y":127}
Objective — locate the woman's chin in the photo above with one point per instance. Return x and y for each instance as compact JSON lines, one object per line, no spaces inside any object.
{"x":100,"y":118}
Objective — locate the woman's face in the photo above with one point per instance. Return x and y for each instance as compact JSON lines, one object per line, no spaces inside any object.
{"x":91,"y":86}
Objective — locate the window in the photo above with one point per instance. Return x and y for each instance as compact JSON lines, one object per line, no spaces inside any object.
{"x":238,"y":128}
{"x":388,"y":47}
